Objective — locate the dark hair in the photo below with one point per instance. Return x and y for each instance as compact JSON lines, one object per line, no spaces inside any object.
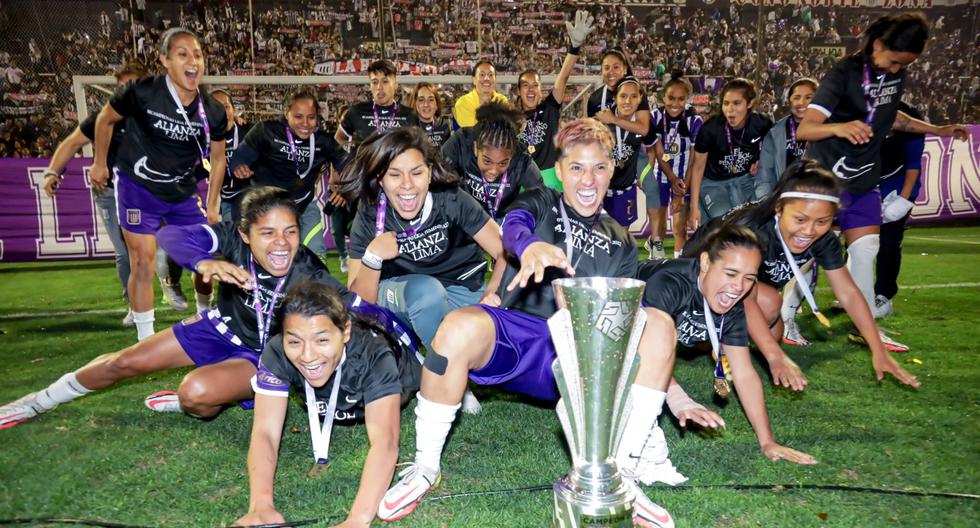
{"x":907,"y":32}
{"x":729,"y":236}
{"x":812,"y":83}
{"x":619,"y":54}
{"x":529,"y":71}
{"x":742,"y":84}
{"x":169,"y":35}
{"x":384,"y":66}
{"x":627,"y":80}
{"x":497,"y":125}
{"x":225,"y":93}
{"x":481,"y":63}
{"x":297,"y":95}
{"x":413,"y":97}
{"x":361,"y":178}
{"x":258,"y":201}
{"x":677,"y":79}
{"x":132,"y":68}
{"x":310,"y":299}
{"x":803,"y":175}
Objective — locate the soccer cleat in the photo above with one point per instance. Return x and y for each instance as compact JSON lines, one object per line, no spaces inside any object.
{"x":172,"y":294}
{"x":882,"y":307}
{"x":792,"y":335}
{"x":471,"y":405}
{"x":655,"y":248}
{"x":128,"y":320}
{"x":344,"y":265}
{"x":163,"y":401}
{"x":654,"y":465}
{"x":19,"y":411}
{"x":647,"y":513}
{"x":890,"y":344}
{"x":404,"y":496}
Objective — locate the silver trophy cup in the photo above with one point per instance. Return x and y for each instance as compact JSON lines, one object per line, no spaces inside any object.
{"x":596,"y":333}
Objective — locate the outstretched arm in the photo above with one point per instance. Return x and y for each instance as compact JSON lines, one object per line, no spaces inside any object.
{"x":263,"y":457}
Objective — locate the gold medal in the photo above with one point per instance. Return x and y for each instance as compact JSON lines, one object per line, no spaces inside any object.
{"x":206,"y":163}
{"x":822,"y":318}
{"x":666,"y":157}
{"x":721,"y":387}
{"x":531,"y":149}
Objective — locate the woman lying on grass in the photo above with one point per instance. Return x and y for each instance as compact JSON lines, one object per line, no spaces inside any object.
{"x":345,"y":368}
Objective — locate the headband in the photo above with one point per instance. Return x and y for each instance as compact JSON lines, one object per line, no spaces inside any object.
{"x":810,"y":196}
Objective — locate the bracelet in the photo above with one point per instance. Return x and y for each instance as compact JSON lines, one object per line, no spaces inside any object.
{"x":50,"y":172}
{"x":372,"y":261}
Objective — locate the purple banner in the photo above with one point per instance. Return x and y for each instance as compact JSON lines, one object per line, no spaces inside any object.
{"x":36,"y":227}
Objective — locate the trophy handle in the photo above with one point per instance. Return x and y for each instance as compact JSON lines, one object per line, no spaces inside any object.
{"x":631,"y":364}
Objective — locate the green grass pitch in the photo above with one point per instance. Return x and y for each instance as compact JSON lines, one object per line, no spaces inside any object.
{"x":107,"y":457}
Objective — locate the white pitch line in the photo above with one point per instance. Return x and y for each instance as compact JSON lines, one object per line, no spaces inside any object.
{"x":29,"y":315}
{"x":949,"y":285}
{"x":949,"y":240}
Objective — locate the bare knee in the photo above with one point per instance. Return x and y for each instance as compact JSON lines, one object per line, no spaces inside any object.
{"x":143,"y":264}
{"x":464,"y":338}
{"x":770,"y":302}
{"x":196,"y":398}
{"x":659,"y":335}
{"x":124,"y":364}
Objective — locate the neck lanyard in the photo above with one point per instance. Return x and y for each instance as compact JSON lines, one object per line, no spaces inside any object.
{"x":801,"y":281}
{"x":731,"y":146}
{"x":295,"y":152}
{"x":382,"y":211}
{"x":320,"y":436}
{"x":792,"y":133}
{"x":569,"y":239}
{"x":602,"y":105}
{"x":722,"y":371}
{"x":669,"y":139}
{"x":391,"y":122}
{"x":206,"y":150}
{"x":621,"y":143}
{"x":869,"y":101}
{"x":495,"y":205}
{"x":228,"y":153}
{"x":264,"y":315}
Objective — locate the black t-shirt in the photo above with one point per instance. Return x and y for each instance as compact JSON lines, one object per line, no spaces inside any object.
{"x":522,"y":173}
{"x":540,"y":127}
{"x":726,"y":162}
{"x":372,"y":370}
{"x":775,"y":270}
{"x":286,"y":164}
{"x":237,"y":306}
{"x":794,"y":149}
{"x":608,"y":250}
{"x":233,"y":186}
{"x":672,"y":286}
{"x":841,"y":98}
{"x":605,"y":97}
{"x":366,"y":118}
{"x":159,"y":150}
{"x":442,"y":245}
{"x":438,"y":130}
{"x":626,"y":153}
{"x":87,"y":128}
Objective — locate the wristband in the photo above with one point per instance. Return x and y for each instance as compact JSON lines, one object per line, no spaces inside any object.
{"x":372,"y":261}
{"x":574,"y":50}
{"x":50,"y":172}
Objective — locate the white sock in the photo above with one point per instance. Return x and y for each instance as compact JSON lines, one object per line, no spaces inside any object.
{"x":432,"y":423}
{"x":203,"y":301}
{"x":66,"y":389}
{"x":677,"y":253}
{"x":861,"y":263}
{"x":144,"y":324}
{"x":791,"y":302}
{"x":647,"y":404}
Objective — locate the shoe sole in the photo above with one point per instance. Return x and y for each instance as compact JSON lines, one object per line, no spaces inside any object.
{"x":13,"y":423}
{"x":792,"y":342}
{"x":407,"y":510}
{"x":888,"y":347}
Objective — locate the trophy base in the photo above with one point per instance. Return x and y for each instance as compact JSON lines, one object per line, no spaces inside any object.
{"x":579,"y":505}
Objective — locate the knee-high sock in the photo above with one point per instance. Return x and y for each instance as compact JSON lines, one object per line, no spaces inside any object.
{"x":861,"y":263}
{"x":144,"y":324}
{"x":432,"y":423}
{"x":66,"y":389}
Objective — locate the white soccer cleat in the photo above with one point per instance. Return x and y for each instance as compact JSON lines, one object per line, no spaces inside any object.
{"x":19,"y":411}
{"x":471,"y":405}
{"x":883,"y":307}
{"x":647,"y":513}
{"x":172,"y":294}
{"x":344,"y":265}
{"x":655,"y":248}
{"x":792,"y":335}
{"x":653,"y":464}
{"x":402,"y":498}
{"x":163,"y":401}
{"x":127,"y":321}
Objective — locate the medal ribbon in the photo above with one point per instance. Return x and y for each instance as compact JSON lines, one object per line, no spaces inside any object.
{"x":500,"y":193}
{"x":391,"y":122}
{"x":206,"y":151}
{"x":869,"y":101}
{"x":263,"y":315}
{"x":569,"y":239}
{"x":621,"y":142}
{"x":382,"y":211}
{"x":669,"y":139}
{"x":294,"y":152}
{"x":728,"y":136}
{"x":722,"y":371}
{"x":321,"y":441}
{"x":801,"y":281}
{"x":792,"y":134}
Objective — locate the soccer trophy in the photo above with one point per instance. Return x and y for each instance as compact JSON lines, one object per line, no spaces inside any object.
{"x":596,"y":333}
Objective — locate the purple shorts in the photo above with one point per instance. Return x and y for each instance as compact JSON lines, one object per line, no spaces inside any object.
{"x":141,"y":212}
{"x":206,"y":344}
{"x":522,"y":356}
{"x":862,"y":210}
{"x":621,"y":205}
